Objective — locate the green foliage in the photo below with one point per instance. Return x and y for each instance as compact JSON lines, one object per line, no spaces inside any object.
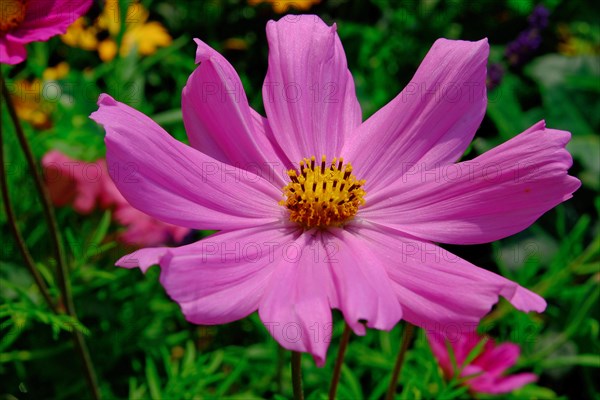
{"x":139,"y":341}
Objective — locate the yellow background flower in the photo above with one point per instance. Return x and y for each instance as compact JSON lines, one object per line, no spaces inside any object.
{"x":139,"y":34}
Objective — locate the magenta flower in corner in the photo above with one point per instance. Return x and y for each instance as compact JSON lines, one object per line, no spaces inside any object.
{"x":319,"y":210}
{"x":26,"y":21}
{"x":486,"y":373}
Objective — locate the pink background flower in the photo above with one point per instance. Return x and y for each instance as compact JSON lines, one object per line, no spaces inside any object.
{"x":72,"y":181}
{"x":88,"y":186}
{"x":487,"y":370}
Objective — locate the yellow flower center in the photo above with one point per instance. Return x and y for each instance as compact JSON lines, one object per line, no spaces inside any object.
{"x":12,"y":13}
{"x":322,"y":195}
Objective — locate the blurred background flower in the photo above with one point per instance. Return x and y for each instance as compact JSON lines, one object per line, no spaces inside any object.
{"x":29,"y":104}
{"x":478,"y":363}
{"x":138,"y":33}
{"x":87,"y":186}
{"x":530,"y":39}
{"x":29,"y":97}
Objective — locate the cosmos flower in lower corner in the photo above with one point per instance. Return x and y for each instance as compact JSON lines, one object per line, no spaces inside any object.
{"x":318,"y":210}
{"x":26,"y":21}
{"x":482,"y":366}
{"x":87,"y":186}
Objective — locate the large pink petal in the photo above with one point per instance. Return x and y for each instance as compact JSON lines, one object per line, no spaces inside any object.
{"x":308,"y":93}
{"x":221,"y":124}
{"x":176,"y":183}
{"x":47,"y":18}
{"x":431,"y":122}
{"x":296,"y":308}
{"x":488,"y":198}
{"x":437,"y":290}
{"x":11,"y":51}
{"x":364,"y":290}
{"x":219,"y":279}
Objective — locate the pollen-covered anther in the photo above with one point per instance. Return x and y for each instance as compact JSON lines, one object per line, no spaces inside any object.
{"x":323,"y":194}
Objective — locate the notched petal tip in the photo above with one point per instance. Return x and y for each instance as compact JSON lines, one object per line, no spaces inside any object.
{"x":106,"y":100}
{"x":540,"y":305}
{"x":475,"y":51}
{"x":144,"y":258}
{"x":203,"y":51}
{"x":482,"y":43}
{"x":358,"y":327}
{"x":573,"y":184}
{"x":99,"y":115}
{"x":127,"y":262}
{"x":537,"y":126}
{"x":302,"y":20}
{"x":526,"y":300}
{"x":562,"y":137}
{"x":319,"y":360}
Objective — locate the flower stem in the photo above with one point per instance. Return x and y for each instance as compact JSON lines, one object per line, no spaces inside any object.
{"x":297,"y":375}
{"x":44,"y":198}
{"x":339,"y":361}
{"x":12,"y":222}
{"x":406,"y":339}
{"x":63,"y":272}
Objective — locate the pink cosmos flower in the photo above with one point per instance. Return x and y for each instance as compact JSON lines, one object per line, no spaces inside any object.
{"x":88,"y":185}
{"x":144,"y":230}
{"x":351,"y":225}
{"x":71,"y":181}
{"x":25,"y":21}
{"x":486,"y":372}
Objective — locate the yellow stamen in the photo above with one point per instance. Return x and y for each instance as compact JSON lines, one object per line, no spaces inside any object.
{"x":319,"y":195}
{"x":12,"y":13}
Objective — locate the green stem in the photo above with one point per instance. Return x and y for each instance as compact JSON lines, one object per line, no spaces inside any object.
{"x":45,"y":200}
{"x":63,"y":272}
{"x":14,"y":227}
{"x":339,"y":361}
{"x":406,"y":339}
{"x":297,"y":375}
